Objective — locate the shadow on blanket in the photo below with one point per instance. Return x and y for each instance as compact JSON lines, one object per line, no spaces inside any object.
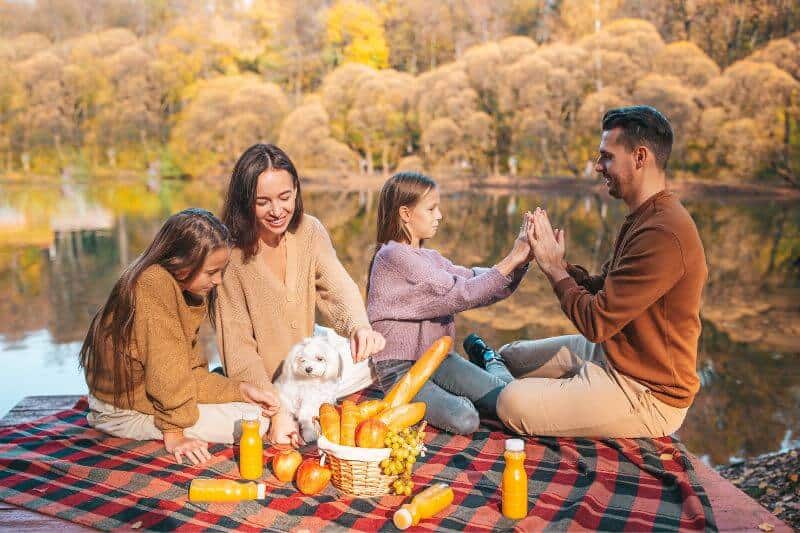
{"x":59,"y":466}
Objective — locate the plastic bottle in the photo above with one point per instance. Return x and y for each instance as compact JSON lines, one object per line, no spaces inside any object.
{"x":225,"y":490}
{"x":424,"y":505}
{"x":515,"y":481}
{"x":251,"y":447}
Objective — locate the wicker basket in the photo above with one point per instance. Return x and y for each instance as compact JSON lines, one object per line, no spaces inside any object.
{"x":357,"y":471}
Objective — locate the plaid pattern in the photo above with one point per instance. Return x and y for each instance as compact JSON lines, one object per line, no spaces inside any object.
{"x":61,"y":467}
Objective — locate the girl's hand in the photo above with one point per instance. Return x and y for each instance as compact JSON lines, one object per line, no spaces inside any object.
{"x":267,"y":400}
{"x":520,"y":251}
{"x":283,"y":429}
{"x":195,"y":450}
{"x":366,"y":342}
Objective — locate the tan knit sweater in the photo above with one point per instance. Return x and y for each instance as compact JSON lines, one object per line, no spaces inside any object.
{"x":171,"y":377}
{"x":259,"y":318}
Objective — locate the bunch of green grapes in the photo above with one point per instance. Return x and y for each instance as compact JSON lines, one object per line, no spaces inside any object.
{"x":406,"y":446}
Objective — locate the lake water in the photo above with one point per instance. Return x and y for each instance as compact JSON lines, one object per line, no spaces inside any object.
{"x":62,"y":247}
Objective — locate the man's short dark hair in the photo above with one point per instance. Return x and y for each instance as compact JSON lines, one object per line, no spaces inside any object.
{"x":642,"y":125}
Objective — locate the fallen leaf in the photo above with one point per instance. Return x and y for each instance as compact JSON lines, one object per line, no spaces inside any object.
{"x":666,"y":456}
{"x":762,"y":485}
{"x":793,"y":478}
{"x":766,"y":526}
{"x":137,"y":525}
{"x":778,"y":510}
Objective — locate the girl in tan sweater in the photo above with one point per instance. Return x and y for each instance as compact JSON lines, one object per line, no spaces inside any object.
{"x":146,"y":376}
{"x":283,"y":268}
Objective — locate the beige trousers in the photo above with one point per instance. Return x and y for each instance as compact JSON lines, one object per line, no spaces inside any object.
{"x":218,"y":422}
{"x":567,"y":388}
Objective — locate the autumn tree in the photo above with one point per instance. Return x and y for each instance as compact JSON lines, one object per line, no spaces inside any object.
{"x":306,"y":137}
{"x":382,"y":119}
{"x":686,"y":61}
{"x":354,"y":33}
{"x":760,"y":100}
{"x":222,"y":117}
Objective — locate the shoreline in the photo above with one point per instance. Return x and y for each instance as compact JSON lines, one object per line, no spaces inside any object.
{"x":499,"y":184}
{"x":772,"y":480}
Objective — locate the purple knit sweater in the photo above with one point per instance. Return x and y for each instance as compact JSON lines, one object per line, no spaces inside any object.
{"x":415,"y":293}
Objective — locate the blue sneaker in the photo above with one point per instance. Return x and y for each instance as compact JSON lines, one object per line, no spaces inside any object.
{"x":478,"y":351}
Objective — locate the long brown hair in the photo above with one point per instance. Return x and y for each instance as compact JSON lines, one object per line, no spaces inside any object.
{"x":402,"y":189}
{"x":239,"y":211}
{"x":181,"y":247}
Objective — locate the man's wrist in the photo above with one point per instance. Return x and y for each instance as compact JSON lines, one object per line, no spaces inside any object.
{"x":556,"y":273}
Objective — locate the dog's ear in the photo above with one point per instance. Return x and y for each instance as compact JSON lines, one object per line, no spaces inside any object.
{"x":287,"y":365}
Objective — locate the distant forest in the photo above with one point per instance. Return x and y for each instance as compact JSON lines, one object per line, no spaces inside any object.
{"x":467,"y":87}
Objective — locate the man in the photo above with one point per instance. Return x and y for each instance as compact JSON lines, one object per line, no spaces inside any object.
{"x":632,"y":370}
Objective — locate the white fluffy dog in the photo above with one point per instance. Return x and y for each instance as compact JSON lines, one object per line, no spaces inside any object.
{"x":319,"y":369}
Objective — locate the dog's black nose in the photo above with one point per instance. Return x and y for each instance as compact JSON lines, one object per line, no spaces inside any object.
{"x":309,"y":369}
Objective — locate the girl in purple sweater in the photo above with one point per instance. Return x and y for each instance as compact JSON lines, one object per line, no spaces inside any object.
{"x":413,"y":296}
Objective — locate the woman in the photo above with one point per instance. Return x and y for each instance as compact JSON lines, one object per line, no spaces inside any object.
{"x":282,"y":268}
{"x":146,"y":377}
{"x":414,"y":294}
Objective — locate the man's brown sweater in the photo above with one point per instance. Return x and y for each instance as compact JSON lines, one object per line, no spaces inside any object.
{"x":645,"y":305}
{"x":171,"y":376}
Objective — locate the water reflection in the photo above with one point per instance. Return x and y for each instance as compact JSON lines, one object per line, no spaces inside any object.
{"x":55,"y":269}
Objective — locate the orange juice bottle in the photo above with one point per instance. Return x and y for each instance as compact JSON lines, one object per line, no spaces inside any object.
{"x":251,"y":447}
{"x":515,"y":481}
{"x":424,"y":505}
{"x":225,"y":490}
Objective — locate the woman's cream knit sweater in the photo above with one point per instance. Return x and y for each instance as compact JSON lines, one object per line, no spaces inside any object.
{"x":259,"y":318}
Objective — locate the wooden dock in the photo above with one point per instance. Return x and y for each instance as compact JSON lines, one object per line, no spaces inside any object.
{"x":733,"y":509}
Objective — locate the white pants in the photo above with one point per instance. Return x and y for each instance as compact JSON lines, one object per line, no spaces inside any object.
{"x":218,"y":422}
{"x":355,"y":377}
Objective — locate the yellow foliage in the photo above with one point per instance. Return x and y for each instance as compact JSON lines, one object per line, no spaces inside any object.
{"x":355,"y":32}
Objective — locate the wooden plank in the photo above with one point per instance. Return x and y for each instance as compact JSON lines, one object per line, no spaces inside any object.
{"x":34,"y":407}
{"x":23,"y":520}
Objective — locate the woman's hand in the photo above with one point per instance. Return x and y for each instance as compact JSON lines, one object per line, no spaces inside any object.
{"x":283,"y":429}
{"x":195,"y":450}
{"x":366,"y":342}
{"x":267,"y":400}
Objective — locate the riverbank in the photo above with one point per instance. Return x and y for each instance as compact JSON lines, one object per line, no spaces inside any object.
{"x":503,"y":184}
{"x":498,"y":184}
{"x":772,"y":480}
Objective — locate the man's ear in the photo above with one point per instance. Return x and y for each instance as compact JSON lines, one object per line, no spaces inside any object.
{"x":640,"y":156}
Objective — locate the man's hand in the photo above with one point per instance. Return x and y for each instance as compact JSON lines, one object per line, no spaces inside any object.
{"x":267,"y":400}
{"x":548,"y":245}
{"x":366,"y":342}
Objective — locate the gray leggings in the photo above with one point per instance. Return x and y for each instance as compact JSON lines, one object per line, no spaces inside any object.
{"x":456,"y":392}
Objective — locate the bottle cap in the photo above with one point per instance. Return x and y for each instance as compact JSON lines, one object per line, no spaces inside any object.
{"x":515,"y":445}
{"x":402,"y":518}
{"x":261,"y":491}
{"x":250,"y":414}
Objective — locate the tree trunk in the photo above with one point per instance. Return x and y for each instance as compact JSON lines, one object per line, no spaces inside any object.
{"x":385,"y":159}
{"x":370,"y":167}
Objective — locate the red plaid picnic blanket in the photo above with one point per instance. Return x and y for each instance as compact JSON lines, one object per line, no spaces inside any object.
{"x":60,"y":466}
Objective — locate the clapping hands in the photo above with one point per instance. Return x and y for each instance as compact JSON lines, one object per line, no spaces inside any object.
{"x":548,"y":245}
